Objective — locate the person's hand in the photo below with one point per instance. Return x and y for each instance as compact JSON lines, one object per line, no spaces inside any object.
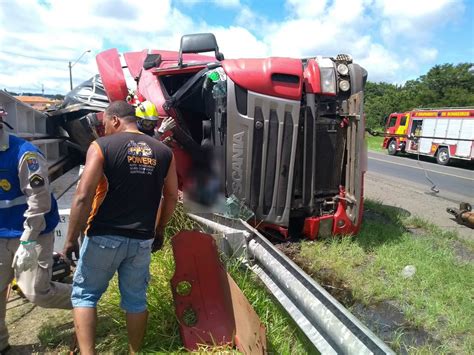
{"x":71,"y":247}
{"x":167,"y":124}
{"x":25,"y":257}
{"x":158,"y":241}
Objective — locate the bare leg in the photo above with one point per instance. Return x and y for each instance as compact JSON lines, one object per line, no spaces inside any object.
{"x":85,"y":320}
{"x":136,"y":326}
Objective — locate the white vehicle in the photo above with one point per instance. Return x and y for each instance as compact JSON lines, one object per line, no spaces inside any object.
{"x":446,"y":133}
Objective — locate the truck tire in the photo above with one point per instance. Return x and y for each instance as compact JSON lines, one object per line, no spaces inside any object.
{"x":442,"y":157}
{"x":392,"y":147}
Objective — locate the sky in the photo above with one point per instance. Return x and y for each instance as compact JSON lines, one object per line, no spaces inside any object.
{"x":395,"y":40}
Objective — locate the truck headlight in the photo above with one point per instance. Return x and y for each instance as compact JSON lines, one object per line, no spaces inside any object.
{"x":344,"y":85}
{"x":342,"y":69}
{"x":328,"y":81}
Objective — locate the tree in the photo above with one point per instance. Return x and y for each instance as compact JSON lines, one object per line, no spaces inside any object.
{"x":444,"y":85}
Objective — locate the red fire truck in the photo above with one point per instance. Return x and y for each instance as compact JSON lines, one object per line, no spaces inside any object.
{"x":444,"y":133}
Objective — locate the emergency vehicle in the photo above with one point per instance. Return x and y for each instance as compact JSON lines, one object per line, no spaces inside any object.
{"x":444,"y":133}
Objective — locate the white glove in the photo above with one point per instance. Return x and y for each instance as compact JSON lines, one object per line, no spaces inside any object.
{"x":26,"y":256}
{"x":167,"y":124}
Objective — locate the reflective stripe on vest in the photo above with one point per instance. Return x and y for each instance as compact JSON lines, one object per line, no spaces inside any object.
{"x":21,"y":200}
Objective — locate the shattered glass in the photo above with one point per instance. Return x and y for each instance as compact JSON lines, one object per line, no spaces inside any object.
{"x":236,"y":209}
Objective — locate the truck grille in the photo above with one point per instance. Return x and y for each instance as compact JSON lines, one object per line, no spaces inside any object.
{"x":330,"y":145}
{"x":290,"y":160}
{"x":270,"y":138}
{"x":320,"y":155}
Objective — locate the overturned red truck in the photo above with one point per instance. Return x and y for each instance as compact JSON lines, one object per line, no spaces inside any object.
{"x":289,"y":133}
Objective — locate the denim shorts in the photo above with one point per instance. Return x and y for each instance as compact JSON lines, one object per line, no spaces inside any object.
{"x":100,"y":258}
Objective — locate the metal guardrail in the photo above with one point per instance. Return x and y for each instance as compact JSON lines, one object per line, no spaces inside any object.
{"x":329,"y":326}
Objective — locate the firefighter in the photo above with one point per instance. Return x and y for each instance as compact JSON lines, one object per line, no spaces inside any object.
{"x":28,"y":216}
{"x":148,"y":119}
{"x":201,"y":183}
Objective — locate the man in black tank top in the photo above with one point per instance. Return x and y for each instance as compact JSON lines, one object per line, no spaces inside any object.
{"x":126,"y":195}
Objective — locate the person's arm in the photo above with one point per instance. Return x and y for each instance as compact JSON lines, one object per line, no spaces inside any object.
{"x":166,"y":125}
{"x":84,"y":196}
{"x":33,"y":176}
{"x":168,"y":202}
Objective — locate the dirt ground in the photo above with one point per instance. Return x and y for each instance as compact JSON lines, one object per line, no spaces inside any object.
{"x":418,"y":200}
{"x":25,"y":324}
{"x":26,"y":321}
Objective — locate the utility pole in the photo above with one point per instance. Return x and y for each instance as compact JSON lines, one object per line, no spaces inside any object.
{"x":71,"y":65}
{"x":70,"y":75}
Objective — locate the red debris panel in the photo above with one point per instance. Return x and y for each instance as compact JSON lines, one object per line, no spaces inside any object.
{"x":210,"y":307}
{"x":201,"y":292}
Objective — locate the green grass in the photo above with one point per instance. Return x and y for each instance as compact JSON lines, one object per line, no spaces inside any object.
{"x":437,"y":299}
{"x":439,"y":296}
{"x":283,"y":336}
{"x":374,"y":143}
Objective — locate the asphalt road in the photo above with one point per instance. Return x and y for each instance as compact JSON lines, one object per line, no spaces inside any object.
{"x":400,"y":182}
{"x":454,"y":183}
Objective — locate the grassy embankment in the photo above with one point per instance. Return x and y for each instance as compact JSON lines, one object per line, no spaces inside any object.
{"x":433,"y":310}
{"x":283,"y":336}
{"x":374,"y":143}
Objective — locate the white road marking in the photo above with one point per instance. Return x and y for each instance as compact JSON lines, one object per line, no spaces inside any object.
{"x":416,"y":167}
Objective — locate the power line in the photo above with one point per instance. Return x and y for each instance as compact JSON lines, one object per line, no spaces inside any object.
{"x":49,"y":59}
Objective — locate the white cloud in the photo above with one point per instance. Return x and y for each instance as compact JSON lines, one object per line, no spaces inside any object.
{"x":414,"y":9}
{"x":416,"y":20}
{"x":345,"y":12}
{"x":64,"y":30}
{"x":384,"y":66}
{"x":220,"y":3}
{"x":237,"y":42}
{"x":428,"y":54}
{"x":249,"y":19}
{"x":341,"y":30}
{"x":305,"y":8}
{"x":227,"y":3}
{"x":380,"y":34}
{"x":38,"y":40}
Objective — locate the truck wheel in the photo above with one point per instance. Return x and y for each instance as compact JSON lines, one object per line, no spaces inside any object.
{"x":392,"y":147}
{"x":443,"y":156}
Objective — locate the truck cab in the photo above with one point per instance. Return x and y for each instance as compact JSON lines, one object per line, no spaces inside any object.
{"x":396,"y":125}
{"x":286,"y":134}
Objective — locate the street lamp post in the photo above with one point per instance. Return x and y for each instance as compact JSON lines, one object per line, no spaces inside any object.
{"x":71,"y":65}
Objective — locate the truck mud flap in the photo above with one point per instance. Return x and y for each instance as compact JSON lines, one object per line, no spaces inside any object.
{"x":201,"y":292}
{"x":210,"y":307}
{"x":113,"y":79}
